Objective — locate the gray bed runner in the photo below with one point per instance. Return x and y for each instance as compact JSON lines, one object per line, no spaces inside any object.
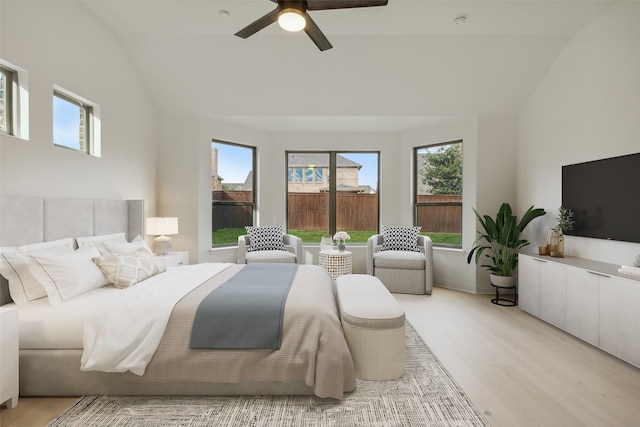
{"x":246,"y":311}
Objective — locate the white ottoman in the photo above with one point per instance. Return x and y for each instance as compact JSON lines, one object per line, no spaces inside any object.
{"x":373,"y":324}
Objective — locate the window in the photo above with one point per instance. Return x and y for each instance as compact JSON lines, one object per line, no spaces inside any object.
{"x":6,"y":100}
{"x":14,"y":100}
{"x":318,"y":205}
{"x":75,"y":124}
{"x":438,"y":192}
{"x":233,"y":196}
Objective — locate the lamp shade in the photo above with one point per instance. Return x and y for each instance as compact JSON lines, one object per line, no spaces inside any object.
{"x":162,"y":226}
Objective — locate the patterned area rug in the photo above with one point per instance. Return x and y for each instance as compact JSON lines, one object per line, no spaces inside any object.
{"x":425,"y":396}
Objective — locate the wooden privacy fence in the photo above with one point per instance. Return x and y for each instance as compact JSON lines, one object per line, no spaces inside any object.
{"x":441,"y":214}
{"x":230,"y":215}
{"x":310,"y":211}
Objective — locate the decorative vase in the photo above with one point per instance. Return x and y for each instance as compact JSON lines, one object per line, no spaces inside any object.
{"x":341,"y":245}
{"x":326,"y":243}
{"x":557,"y":244}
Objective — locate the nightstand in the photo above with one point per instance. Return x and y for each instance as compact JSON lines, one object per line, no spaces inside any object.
{"x":175,"y":259}
{"x":9,"y":355}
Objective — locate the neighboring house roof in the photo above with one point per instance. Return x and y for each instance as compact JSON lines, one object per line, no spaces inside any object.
{"x":320,"y":160}
{"x":244,"y":186}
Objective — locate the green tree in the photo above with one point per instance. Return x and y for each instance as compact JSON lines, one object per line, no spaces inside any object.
{"x":442,"y":170}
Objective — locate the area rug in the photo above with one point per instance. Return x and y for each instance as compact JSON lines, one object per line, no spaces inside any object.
{"x":425,"y":396}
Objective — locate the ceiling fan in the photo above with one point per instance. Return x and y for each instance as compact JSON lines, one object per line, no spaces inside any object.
{"x":292,"y":16}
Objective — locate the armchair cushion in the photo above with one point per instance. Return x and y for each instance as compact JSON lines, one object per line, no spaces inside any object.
{"x":270,"y":256}
{"x":399,"y":238}
{"x":403,"y":260}
{"x":268,"y":238}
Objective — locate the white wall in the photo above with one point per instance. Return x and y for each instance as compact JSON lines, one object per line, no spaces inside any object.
{"x":61,"y":43}
{"x":586,"y":108}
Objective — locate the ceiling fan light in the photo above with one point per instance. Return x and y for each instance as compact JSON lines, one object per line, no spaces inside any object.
{"x":292,"y":19}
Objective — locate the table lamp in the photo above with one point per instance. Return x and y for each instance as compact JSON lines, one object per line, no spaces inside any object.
{"x":162,"y":227}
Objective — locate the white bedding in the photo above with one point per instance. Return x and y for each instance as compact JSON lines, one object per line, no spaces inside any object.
{"x":124,"y":336}
{"x":43,"y":326}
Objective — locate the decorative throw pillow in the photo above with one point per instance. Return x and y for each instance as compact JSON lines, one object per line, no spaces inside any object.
{"x":68,"y":275}
{"x":126,"y":270}
{"x":100,"y":241}
{"x":15,"y":263}
{"x":398,"y":238}
{"x":116,"y":248}
{"x":266,"y":238}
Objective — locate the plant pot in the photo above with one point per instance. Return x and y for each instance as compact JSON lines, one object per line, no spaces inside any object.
{"x":504,"y":281}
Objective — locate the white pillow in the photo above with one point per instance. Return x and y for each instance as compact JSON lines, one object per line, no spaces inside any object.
{"x":68,"y":275}
{"x":126,"y":248}
{"x":99,"y":241}
{"x":15,"y":263}
{"x":126,"y":270}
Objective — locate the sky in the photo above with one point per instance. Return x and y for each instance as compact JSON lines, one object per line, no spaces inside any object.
{"x":234,"y":163}
{"x":66,"y":123}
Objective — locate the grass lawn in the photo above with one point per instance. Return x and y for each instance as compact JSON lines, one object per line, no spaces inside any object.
{"x":229,"y":236}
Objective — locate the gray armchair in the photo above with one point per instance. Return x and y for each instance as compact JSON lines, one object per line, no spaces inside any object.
{"x":293,"y":254}
{"x":405,"y":272}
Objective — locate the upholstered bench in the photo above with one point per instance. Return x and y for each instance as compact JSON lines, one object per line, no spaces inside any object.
{"x":373,"y":324}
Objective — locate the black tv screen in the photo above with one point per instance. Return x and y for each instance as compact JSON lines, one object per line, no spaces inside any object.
{"x":604,"y":196}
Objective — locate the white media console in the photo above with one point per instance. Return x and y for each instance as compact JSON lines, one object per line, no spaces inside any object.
{"x":588,"y":299}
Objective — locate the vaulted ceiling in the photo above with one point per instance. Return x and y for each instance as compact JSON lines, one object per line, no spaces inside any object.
{"x":391,"y":68}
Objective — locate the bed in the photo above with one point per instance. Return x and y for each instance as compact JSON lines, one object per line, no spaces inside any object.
{"x":313,"y":357}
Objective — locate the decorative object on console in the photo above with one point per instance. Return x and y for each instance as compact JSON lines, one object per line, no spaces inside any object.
{"x":162,"y":227}
{"x":565,"y":223}
{"x":501,"y":239}
{"x":341,"y":236}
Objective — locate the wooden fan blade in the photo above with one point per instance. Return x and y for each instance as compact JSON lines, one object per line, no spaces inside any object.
{"x":314,"y":32}
{"x":258,"y":25}
{"x":343,"y":4}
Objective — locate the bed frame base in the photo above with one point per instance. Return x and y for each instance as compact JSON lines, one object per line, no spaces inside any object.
{"x":57,"y":373}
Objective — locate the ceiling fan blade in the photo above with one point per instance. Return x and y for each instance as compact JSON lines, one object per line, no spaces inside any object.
{"x":314,"y":32}
{"x":258,"y":25}
{"x":343,"y":4}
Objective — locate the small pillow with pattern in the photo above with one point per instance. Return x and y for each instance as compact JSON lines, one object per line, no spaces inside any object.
{"x":126,"y":270}
{"x":270,"y":238}
{"x":398,"y":238}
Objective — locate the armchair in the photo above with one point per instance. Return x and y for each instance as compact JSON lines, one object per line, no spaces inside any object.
{"x":400,"y":271}
{"x":293,"y":254}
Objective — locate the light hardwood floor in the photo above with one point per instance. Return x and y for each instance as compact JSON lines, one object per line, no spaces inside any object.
{"x":518,"y":370}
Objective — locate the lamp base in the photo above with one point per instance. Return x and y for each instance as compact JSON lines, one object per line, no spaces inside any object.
{"x":162,"y":245}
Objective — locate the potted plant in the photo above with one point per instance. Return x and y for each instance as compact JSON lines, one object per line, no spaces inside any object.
{"x":565,"y":223}
{"x":500,"y":241}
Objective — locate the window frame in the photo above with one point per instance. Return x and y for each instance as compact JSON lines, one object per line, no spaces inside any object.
{"x":332,"y":184}
{"x":417,"y":205}
{"x":253,"y":203}
{"x":89,"y":118}
{"x":10,"y":77}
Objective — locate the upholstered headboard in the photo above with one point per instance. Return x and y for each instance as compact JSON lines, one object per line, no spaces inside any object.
{"x":25,"y":220}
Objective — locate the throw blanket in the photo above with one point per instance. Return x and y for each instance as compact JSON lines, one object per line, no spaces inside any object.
{"x":245,"y":312}
{"x":125,"y":335}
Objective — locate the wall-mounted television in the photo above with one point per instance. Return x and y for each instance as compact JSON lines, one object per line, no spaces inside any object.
{"x":604,"y":196}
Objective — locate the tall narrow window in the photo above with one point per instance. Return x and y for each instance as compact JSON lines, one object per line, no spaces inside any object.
{"x":73,"y":122}
{"x":319,"y":204}
{"x":6,"y":100}
{"x":438,"y":192}
{"x":233,"y":196}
